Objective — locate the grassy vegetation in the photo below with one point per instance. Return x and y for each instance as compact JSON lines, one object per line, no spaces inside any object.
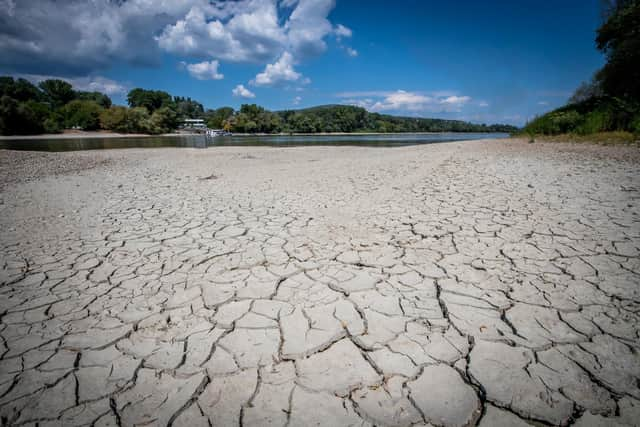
{"x":592,"y":116}
{"x":607,"y":109}
{"x":603,"y":138}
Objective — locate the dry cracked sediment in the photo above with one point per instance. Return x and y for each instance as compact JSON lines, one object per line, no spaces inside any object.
{"x":493,"y":283}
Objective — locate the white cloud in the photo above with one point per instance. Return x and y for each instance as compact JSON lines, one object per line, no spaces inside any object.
{"x":288,"y":3}
{"x":76,"y":37}
{"x":243,"y":92}
{"x":98,"y":84}
{"x":307,"y":27}
{"x":250,"y":30}
{"x":483,"y":104}
{"x":251,"y":34}
{"x":361,"y":94}
{"x":207,"y":70}
{"x":543,"y":103}
{"x":401,"y":100}
{"x":455,"y":101}
{"x":279,"y":72}
{"x":342,"y":31}
{"x":296,"y":100}
{"x":351,"y":52}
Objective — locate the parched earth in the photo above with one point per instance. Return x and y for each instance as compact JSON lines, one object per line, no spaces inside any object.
{"x":490,"y":282}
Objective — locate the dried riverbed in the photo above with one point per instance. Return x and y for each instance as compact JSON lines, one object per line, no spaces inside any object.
{"x":490,"y":282}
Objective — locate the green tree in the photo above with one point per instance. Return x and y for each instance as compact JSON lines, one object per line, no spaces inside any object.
{"x":149,"y":99}
{"x":20,"y":89}
{"x":162,"y":120}
{"x":82,"y":114}
{"x":137,"y":120}
{"x":216,"y":118}
{"x":114,"y":119}
{"x":188,"y":108}
{"x":57,"y":92}
{"x":619,"y":39}
{"x":587,"y":90}
{"x":100,"y":98}
{"x":21,"y":118}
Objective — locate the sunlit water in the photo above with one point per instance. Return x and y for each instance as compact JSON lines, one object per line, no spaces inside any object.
{"x":190,"y":141}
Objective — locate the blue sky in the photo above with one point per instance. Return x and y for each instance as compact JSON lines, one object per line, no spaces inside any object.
{"x":483,"y":61}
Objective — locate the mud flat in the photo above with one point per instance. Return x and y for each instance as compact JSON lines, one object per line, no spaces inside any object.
{"x":488,"y":282}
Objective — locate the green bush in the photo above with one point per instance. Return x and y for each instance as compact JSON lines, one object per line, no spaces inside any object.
{"x":594,"y":122}
{"x":635,"y":125}
{"x":82,"y":114}
{"x":53,"y":124}
{"x":138,"y":120}
{"x":114,"y":119}
{"x":21,"y":118}
{"x":594,"y":115}
{"x":162,"y":120}
{"x":131,"y":120}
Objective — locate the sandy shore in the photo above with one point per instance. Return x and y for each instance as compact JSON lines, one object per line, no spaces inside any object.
{"x":485,"y":282}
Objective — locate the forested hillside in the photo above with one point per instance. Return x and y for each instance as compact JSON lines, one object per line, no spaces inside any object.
{"x":611,"y":100}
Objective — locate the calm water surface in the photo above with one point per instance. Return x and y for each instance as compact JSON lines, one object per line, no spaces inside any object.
{"x":386,"y":140}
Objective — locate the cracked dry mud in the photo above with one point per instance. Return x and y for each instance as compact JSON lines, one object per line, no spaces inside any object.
{"x":491,"y":282}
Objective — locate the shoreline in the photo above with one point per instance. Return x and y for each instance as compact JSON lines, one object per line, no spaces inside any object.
{"x":79,"y":135}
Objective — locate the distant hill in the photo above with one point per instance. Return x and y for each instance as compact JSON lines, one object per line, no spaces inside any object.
{"x":348,"y":118}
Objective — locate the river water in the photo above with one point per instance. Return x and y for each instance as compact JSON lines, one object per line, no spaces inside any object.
{"x":200,"y":141}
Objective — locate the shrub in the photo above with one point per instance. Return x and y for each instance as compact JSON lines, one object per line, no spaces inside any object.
{"x":594,"y":122}
{"x":82,"y":114}
{"x":162,"y":121}
{"x":114,"y":119}
{"x":21,"y":118}
{"x":138,"y":120}
{"x":635,"y":125}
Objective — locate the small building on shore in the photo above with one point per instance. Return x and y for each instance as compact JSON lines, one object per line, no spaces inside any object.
{"x":194,"y":124}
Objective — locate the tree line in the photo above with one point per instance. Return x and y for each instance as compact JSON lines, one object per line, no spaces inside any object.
{"x":53,"y":105}
{"x":610,"y":101}
{"x":343,"y":118}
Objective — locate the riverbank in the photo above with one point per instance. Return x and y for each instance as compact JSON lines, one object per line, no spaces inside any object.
{"x":101,"y":134}
{"x":309,"y":285}
{"x":87,"y":134}
{"x":605,"y":138}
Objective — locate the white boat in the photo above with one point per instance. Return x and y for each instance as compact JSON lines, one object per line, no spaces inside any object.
{"x":217,"y":132}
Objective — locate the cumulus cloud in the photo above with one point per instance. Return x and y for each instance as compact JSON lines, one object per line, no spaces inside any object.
{"x":296,"y":100}
{"x":243,"y":92}
{"x":455,"y":100}
{"x":351,"y":52}
{"x":76,"y":37}
{"x":251,"y":33}
{"x":342,"y":31}
{"x":250,"y":30}
{"x":401,"y":100}
{"x":279,"y":72}
{"x":307,"y":27}
{"x":207,"y":70}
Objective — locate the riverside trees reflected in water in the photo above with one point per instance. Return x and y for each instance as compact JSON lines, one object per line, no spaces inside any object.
{"x":197,"y":141}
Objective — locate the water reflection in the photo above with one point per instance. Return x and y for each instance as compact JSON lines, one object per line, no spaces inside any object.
{"x":198,"y":141}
